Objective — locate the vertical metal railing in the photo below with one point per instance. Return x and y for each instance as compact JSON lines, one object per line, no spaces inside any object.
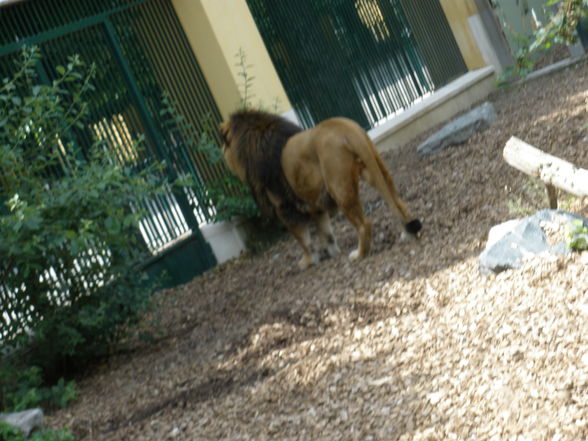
{"x":141,"y":52}
{"x":158,"y":33}
{"x":435,"y":40}
{"x":358,"y":58}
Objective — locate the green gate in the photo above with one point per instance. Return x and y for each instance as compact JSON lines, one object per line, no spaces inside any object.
{"x":364,"y":59}
{"x":140,"y":51}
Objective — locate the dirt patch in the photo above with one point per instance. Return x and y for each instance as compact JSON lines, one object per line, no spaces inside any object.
{"x":410,"y":343}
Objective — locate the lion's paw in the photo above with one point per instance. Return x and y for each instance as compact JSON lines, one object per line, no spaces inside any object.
{"x":354,"y":255}
{"x":307,"y":261}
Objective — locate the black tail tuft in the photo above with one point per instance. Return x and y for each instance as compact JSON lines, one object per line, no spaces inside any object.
{"x":414,"y":226}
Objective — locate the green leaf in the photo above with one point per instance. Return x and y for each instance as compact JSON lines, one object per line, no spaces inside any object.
{"x":33,"y":223}
{"x":112,"y":225}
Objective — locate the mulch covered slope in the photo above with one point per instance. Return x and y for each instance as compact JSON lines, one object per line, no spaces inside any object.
{"x":410,"y":343}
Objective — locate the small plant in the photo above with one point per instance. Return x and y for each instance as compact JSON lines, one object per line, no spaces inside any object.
{"x":246,"y":94}
{"x":523,"y":65}
{"x":246,"y":100}
{"x":578,"y":236}
{"x":21,"y":389}
{"x":561,"y":29}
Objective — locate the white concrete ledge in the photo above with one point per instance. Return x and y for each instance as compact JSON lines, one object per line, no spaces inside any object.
{"x":441,"y":106}
{"x":225,"y":240}
{"x":555,"y":67}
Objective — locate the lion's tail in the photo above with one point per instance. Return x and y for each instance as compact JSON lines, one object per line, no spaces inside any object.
{"x":377,"y":175}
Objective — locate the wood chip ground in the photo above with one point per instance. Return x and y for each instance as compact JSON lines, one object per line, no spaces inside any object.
{"x":410,"y":343}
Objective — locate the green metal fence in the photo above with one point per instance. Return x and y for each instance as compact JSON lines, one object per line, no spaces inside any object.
{"x":140,"y":51}
{"x":365,"y":59}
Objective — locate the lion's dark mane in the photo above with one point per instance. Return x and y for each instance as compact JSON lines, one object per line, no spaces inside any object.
{"x":259,"y":139}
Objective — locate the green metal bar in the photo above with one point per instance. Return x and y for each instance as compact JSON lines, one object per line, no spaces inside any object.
{"x":366,"y":49}
{"x":150,"y":127}
{"x":165,"y":223}
{"x":192,"y":99}
{"x":160,"y":42}
{"x":149,"y":124}
{"x":65,"y":29}
{"x":430,"y":28}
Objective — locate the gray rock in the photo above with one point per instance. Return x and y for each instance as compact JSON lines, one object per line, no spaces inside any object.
{"x":459,"y":130}
{"x":510,"y":243}
{"x":26,"y":421}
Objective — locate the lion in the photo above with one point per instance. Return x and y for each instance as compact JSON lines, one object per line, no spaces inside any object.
{"x":303,"y":176}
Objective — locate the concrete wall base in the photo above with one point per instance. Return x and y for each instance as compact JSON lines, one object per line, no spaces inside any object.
{"x":438,"y":108}
{"x":225,"y":239}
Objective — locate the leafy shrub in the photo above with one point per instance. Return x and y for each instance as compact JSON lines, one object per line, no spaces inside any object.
{"x":22,"y":389}
{"x":70,"y":271}
{"x":562,"y":26}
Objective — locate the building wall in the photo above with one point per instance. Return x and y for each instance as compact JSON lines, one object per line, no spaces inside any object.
{"x":218,"y":29}
{"x":458,"y":12}
{"x":520,"y":19}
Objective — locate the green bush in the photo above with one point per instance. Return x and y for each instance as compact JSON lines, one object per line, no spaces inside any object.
{"x":562,"y":25}
{"x":22,"y":389}
{"x":71,"y":277}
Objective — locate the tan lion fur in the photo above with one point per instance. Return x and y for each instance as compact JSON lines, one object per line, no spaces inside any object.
{"x":304,"y":175}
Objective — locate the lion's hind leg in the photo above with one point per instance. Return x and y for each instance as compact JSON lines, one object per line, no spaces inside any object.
{"x":343,"y":185}
{"x":302,"y":234}
{"x":364,"y":231}
{"x":325,"y":231}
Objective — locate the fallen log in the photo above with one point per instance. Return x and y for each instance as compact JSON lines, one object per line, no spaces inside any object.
{"x":553,"y":171}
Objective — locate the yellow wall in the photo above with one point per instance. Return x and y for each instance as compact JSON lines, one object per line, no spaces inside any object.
{"x":457,"y":13}
{"x":217,"y":29}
